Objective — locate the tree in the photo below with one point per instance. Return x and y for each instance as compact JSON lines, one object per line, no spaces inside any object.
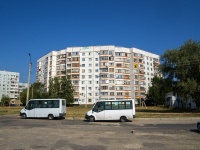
{"x":67,"y":90}
{"x":5,"y":100}
{"x":23,"y":96}
{"x":61,"y":88}
{"x":54,"y":88}
{"x":157,"y":91}
{"x":37,"y":91}
{"x":182,"y":67}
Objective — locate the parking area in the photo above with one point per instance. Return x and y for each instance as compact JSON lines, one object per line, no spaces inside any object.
{"x":23,"y":134}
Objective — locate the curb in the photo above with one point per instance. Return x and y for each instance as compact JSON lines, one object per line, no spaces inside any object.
{"x":186,"y":118}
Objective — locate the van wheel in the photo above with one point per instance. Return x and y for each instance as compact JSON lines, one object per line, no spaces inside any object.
{"x":50,"y":117}
{"x":23,"y":116}
{"x":123,"y":119}
{"x":91,"y":119}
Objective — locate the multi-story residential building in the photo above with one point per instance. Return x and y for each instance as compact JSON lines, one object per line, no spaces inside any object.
{"x":101,"y":72}
{"x":9,"y":84}
{"x":22,"y":86}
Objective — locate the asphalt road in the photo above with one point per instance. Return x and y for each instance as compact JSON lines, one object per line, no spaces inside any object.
{"x":140,"y":134}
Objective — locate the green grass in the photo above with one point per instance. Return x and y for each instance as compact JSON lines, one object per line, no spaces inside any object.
{"x":10,"y":110}
{"x":141,"y":112}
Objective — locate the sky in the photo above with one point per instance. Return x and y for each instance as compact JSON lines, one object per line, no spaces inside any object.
{"x":41,"y":26}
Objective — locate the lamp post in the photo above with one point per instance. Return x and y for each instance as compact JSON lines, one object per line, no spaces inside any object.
{"x":86,"y":96}
{"x":29,"y":75}
{"x":139,"y":89}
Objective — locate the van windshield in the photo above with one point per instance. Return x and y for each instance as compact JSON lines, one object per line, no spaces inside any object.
{"x":99,"y":107}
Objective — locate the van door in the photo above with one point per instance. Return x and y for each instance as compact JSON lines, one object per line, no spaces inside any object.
{"x":31,"y":109}
{"x":98,"y":111}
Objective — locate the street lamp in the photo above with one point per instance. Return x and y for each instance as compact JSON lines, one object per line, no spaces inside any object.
{"x":29,"y":75}
{"x":86,"y":96}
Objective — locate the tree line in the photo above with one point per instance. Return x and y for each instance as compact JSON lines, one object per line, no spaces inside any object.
{"x":59,"y":87}
{"x":180,"y":69}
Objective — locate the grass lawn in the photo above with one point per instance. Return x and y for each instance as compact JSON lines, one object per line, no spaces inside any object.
{"x":141,"y":112}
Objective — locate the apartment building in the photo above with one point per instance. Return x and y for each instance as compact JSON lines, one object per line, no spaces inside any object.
{"x":9,"y":84}
{"x":101,"y":72}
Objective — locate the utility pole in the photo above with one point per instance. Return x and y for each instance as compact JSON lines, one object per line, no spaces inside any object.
{"x":86,"y":96}
{"x":19,"y":96}
{"x":29,"y":76}
{"x":139,"y":88}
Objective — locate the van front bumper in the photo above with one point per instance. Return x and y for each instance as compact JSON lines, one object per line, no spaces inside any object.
{"x":86,"y":117}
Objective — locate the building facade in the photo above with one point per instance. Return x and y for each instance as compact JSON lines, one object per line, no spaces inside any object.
{"x":10,"y":86}
{"x":101,"y":72}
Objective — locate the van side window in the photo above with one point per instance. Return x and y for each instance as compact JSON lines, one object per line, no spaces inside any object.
{"x":121,"y":105}
{"x":115,"y":105}
{"x":30,"y":105}
{"x":37,"y":104}
{"x":56,"y":104}
{"x":107,"y":105}
{"x":129,"y":105}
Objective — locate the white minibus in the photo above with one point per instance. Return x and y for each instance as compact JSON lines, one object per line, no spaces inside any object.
{"x":44,"y":108}
{"x":122,"y":110}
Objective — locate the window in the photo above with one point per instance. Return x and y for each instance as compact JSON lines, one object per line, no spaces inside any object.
{"x":128,"y":105}
{"x":121,"y":105}
{"x":48,"y":104}
{"x":107,"y":105}
{"x":83,"y":59}
{"x":114,"y":105}
{"x":99,"y":107}
{"x":112,"y":93}
{"x":119,"y":93}
{"x":63,"y":103}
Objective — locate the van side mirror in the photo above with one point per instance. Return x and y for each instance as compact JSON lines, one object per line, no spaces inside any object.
{"x":25,"y":107}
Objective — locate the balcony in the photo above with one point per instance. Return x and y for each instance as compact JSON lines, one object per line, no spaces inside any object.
{"x":75,"y":71}
{"x":75,"y":76}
